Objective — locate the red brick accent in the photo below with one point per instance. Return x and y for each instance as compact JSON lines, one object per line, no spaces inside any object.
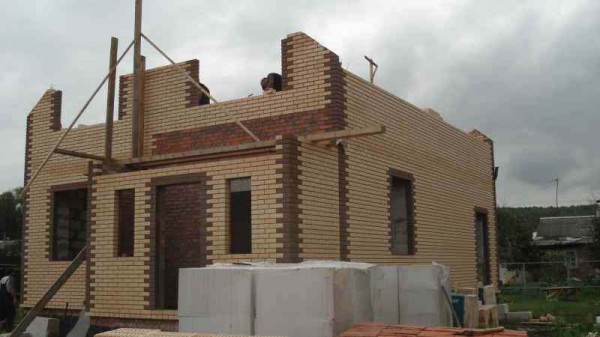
{"x":124,"y":83}
{"x":56,"y":101}
{"x":231,"y":134}
{"x":337,"y":93}
{"x":193,"y":93}
{"x":286,"y":53}
{"x":184,"y":201}
{"x":343,"y":202}
{"x":290,"y":202}
{"x":88,"y":253}
{"x":25,"y":224}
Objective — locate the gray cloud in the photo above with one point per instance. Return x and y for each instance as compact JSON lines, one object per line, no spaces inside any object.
{"x":525,"y":73}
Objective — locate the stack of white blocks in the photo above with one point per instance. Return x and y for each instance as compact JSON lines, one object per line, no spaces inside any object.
{"x":319,"y":299}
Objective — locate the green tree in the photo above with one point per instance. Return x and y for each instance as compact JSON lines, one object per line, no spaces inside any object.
{"x":594,"y":247}
{"x":515,"y":233}
{"x":11,"y":214}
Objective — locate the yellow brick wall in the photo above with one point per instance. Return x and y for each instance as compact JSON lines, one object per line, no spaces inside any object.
{"x":165,"y":110}
{"x":118,"y":285}
{"x":452,"y":176}
{"x":319,"y":203}
{"x":452,"y":172}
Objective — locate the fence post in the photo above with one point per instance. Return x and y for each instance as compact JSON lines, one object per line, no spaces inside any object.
{"x":523,"y":275}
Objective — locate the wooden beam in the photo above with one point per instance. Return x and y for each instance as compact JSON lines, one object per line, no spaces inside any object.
{"x":347,"y":133}
{"x":141,"y":107}
{"x":198,"y":154}
{"x":64,"y":134}
{"x":137,"y":49}
{"x":110,"y":101}
{"x":198,"y":86}
{"x":78,"y":154}
{"x":54,"y":288}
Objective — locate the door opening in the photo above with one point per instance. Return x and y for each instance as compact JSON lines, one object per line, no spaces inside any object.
{"x":482,"y":248}
{"x":178,"y":240}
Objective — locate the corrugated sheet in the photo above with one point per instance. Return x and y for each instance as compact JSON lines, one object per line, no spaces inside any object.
{"x":565,"y":227}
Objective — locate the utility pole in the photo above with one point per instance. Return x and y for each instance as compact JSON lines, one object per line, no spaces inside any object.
{"x":556,"y":195}
{"x":137,"y":63}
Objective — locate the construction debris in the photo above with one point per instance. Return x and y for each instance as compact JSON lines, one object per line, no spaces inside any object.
{"x":518,"y":316}
{"x":383,"y":330}
{"x":157,"y":333}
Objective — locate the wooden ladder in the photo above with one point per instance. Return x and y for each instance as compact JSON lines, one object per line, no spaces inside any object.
{"x":54,"y":288}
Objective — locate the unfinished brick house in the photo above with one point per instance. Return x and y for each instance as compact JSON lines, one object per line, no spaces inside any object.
{"x":343,"y":170}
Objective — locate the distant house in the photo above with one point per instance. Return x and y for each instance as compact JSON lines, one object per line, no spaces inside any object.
{"x":567,"y":236}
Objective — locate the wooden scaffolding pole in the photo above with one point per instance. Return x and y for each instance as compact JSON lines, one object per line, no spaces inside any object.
{"x":141,"y":106}
{"x":197,"y":85}
{"x":372,"y":69}
{"x":62,"y":137}
{"x":54,"y":288}
{"x":110,"y":102}
{"x":79,"y":154}
{"x":137,"y":63}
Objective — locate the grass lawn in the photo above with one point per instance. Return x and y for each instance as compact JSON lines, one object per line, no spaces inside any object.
{"x":582,"y":311}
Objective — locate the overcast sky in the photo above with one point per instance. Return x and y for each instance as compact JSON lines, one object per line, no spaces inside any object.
{"x":526,"y":73}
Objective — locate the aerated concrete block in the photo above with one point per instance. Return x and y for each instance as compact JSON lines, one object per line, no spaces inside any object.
{"x":384,"y":294}
{"x":43,"y":327}
{"x":518,"y":316}
{"x":502,"y":311}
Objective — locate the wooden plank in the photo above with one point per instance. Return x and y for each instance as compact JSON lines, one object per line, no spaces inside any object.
{"x":79,"y":154}
{"x":198,"y":86}
{"x":54,"y":288}
{"x":348,"y":133}
{"x":64,"y":134}
{"x":110,"y":101}
{"x":199,"y":153}
{"x":477,"y":332}
{"x":137,"y":48}
{"x":487,"y":311}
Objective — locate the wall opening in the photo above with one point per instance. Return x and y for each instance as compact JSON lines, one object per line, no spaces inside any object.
{"x":179,"y":218}
{"x":482,"y":248}
{"x":240,"y":216}
{"x":125,"y":212}
{"x":69,"y":229}
{"x":401,"y":216}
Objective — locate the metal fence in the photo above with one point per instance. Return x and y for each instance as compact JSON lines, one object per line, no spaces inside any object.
{"x":542,"y":274}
